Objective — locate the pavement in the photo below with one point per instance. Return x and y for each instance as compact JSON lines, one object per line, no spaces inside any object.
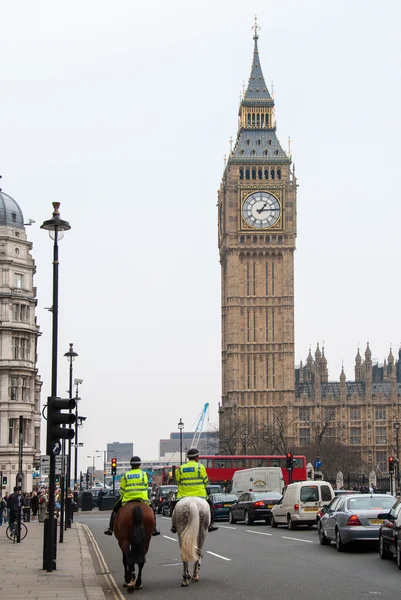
{"x":22,"y":576}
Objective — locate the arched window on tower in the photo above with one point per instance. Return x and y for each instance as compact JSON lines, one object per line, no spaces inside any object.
{"x":280,"y":239}
{"x":276,"y":152}
{"x":254,"y":239}
{"x":268,"y":239}
{"x":247,"y":174}
{"x":260,"y":174}
{"x":248,"y":141}
{"x":253,"y":152}
{"x":259,"y":142}
{"x":266,"y":173}
{"x":253,"y":119}
{"x":241,"y":173}
{"x":242,"y":152}
{"x":272,"y":173}
{"x":242,"y":239}
{"x":278,"y":173}
{"x":249,"y":119}
{"x":267,"y":120}
{"x":265,"y":152}
{"x":253,"y":173}
{"x":270,"y":142}
{"x":262,"y":120}
{"x":258,"y":119}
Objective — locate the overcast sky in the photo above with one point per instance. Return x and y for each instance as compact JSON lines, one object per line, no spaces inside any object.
{"x":122,"y":111}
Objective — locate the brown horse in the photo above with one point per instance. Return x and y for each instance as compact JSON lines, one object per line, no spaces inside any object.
{"x":133,"y":527}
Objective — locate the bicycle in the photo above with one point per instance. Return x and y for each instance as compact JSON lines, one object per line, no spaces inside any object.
{"x":12,"y":531}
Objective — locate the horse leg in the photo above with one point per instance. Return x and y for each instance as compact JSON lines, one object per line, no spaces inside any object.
{"x":197,"y":566}
{"x":126,"y":574}
{"x":185,"y":575}
{"x":138,"y":584}
{"x":131,"y":582}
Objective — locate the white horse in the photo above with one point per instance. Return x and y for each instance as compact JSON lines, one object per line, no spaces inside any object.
{"x":191,"y":518}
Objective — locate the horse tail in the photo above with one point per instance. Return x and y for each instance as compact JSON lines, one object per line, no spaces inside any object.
{"x":137,"y":550}
{"x":189,"y":536}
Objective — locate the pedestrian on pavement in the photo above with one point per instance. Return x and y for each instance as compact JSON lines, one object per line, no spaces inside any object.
{"x":2,"y":509}
{"x":14,"y":504}
{"x":26,"y":508}
{"x":7,"y":510}
{"x":134,"y":486}
{"x":34,"y":506}
{"x":42,"y":506}
{"x":192,"y":480}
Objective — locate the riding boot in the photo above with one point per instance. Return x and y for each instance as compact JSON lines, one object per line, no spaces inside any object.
{"x":212,"y":526}
{"x":172,"y":507}
{"x":155,"y":530}
{"x":109,"y":530}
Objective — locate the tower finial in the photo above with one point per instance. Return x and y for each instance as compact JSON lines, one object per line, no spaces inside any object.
{"x":231,"y":144}
{"x":256,"y":27}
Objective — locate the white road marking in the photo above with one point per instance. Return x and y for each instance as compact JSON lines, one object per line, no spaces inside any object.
{"x":226,"y":527}
{"x":258,"y":532}
{"x":297,"y":539}
{"x":166,"y":518}
{"x":170,"y":538}
{"x":172,"y":565}
{"x":218,"y":555}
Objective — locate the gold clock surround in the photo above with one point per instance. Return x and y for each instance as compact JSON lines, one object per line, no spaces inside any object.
{"x":244,"y":194}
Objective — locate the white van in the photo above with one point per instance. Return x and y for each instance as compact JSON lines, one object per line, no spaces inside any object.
{"x":260,"y":479}
{"x":301,"y":502}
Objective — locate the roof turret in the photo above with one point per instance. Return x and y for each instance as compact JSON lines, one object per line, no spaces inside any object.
{"x":257,"y":88}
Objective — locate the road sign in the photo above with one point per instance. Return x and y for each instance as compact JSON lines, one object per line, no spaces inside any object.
{"x":56,"y":448}
{"x":45,"y":465}
{"x":317,"y":464}
{"x":59,"y":465}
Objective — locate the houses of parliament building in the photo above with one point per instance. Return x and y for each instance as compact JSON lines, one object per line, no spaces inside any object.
{"x":257,"y":227}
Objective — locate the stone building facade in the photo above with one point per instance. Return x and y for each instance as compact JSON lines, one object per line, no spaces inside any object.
{"x":364,"y":414}
{"x":256,"y":237}
{"x":20,"y":384}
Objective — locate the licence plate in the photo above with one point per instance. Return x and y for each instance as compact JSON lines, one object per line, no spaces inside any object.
{"x":311,"y":508}
{"x":270,"y":505}
{"x":227,"y":505}
{"x":375,"y":521}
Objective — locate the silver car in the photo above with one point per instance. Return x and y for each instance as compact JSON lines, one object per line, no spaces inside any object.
{"x":353,"y":518}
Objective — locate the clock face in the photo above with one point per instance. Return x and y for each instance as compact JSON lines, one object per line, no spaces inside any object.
{"x":261,"y":210}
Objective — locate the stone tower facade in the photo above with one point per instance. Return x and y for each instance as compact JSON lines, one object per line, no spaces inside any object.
{"x":20,"y":384}
{"x":257,"y":232}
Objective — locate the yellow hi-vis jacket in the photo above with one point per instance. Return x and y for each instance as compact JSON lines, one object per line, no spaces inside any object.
{"x":134,"y":486}
{"x":191,"y":480}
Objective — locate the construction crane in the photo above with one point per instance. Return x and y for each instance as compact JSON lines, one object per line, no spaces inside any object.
{"x":199,"y":427}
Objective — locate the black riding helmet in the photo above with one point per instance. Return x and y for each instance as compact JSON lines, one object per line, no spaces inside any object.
{"x":193,"y":453}
{"x":135,"y":461}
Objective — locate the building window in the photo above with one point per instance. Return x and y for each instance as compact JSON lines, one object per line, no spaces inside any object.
{"x":18,"y":280}
{"x":304,"y":436}
{"x":381,"y":461}
{"x":355,"y":436}
{"x":24,"y":389}
{"x":329,"y":414}
{"x":354,"y":414}
{"x":37,"y":438}
{"x":304,"y":414}
{"x":380,"y":413}
{"x":21,"y":313}
{"x":11,"y":430}
{"x":381,"y":435}
{"x":20,"y":348}
{"x":14,"y":388}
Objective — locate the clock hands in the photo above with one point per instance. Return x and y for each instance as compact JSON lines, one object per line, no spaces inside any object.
{"x":263,"y":209}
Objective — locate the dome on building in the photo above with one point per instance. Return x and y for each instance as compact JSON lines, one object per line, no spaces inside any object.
{"x":10,"y":213}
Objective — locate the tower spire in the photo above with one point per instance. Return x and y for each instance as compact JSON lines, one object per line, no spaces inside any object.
{"x":255,"y":28}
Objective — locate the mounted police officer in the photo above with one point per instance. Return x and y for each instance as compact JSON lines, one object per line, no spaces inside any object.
{"x":192,"y":481}
{"x":134,"y":486}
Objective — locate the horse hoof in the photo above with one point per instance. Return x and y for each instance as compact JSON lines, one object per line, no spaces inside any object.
{"x":125,"y":584}
{"x":139,"y":587}
{"x":184,"y":583}
{"x":130,"y":589}
{"x":195,"y":579}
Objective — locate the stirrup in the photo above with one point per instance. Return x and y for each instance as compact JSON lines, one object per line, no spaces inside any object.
{"x":156,"y":532}
{"x":173,"y":529}
{"x":212,"y":527}
{"x":108,"y":531}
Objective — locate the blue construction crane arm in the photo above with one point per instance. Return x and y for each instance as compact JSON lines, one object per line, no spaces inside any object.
{"x":199,"y":427}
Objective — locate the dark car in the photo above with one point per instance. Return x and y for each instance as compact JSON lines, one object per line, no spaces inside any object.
{"x":253,"y":506}
{"x":161,"y":496}
{"x":221,"y":505}
{"x":390,"y":534}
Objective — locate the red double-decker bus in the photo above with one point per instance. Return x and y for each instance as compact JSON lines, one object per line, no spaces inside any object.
{"x":220,"y":469}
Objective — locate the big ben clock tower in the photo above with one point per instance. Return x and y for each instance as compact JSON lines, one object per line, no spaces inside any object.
{"x":257,"y":231}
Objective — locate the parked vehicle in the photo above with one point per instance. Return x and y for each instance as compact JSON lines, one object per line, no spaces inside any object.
{"x":355,"y":518}
{"x":260,"y":479}
{"x":221,"y":505}
{"x":301,"y":503}
{"x":390,"y":534}
{"x":160,"y":496}
{"x":254,"y":506}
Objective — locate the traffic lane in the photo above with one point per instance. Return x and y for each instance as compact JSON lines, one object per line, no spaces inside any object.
{"x":261,"y":558}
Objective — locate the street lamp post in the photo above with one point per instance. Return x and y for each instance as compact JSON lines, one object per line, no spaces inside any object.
{"x":104,"y":466}
{"x":180,"y":428}
{"x":78,"y":423}
{"x":396,"y":429}
{"x":56,"y":227}
{"x":71,"y":356}
{"x":93,"y":456}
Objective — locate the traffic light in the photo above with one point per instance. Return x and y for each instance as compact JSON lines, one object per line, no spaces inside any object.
{"x":55,"y":418}
{"x":57,"y":478}
{"x":289,"y":461}
{"x":4,"y":480}
{"x":113,"y":466}
{"x":391,"y":461}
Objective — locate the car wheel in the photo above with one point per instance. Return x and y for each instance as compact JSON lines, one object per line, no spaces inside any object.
{"x":248,"y":520}
{"x":383,"y":552}
{"x":231,"y":518}
{"x":398,"y":555}
{"x":323,"y":539}
{"x":290,"y":523}
{"x":267,"y":521}
{"x":273,"y":522}
{"x":339,"y":544}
